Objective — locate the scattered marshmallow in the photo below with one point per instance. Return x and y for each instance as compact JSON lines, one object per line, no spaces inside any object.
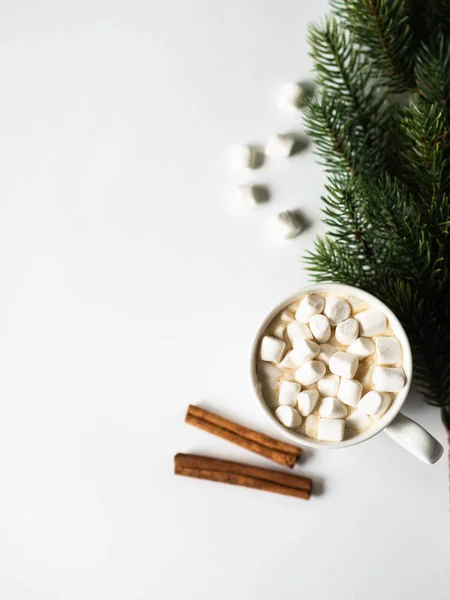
{"x":389,"y":351}
{"x":280,"y":145}
{"x":320,"y":328}
{"x":292,"y":96}
{"x":350,"y":391}
{"x":244,"y":157}
{"x":347,"y":331}
{"x":279,"y":331}
{"x":326,"y":352}
{"x":298,"y":332}
{"x":308,"y":307}
{"x":303,"y":351}
{"x":328,"y":385}
{"x":287,"y":362}
{"x":362,"y":347}
{"x":287,"y":316}
{"x":306,"y":401}
{"x":290,"y":223}
{"x":250,"y":193}
{"x":366,"y":376}
{"x":344,"y":364}
{"x":387,"y":401}
{"x":336,"y":309}
{"x":330,"y":430}
{"x":288,"y":416}
{"x":269,"y":375}
{"x":358,"y":421}
{"x":373,"y":403}
{"x":311,"y":425}
{"x":371,"y":322}
{"x":289,"y":391}
{"x":310,"y":372}
{"x":272,"y":349}
{"x":356,"y":304}
{"x":331,"y":408}
{"x":388,"y":379}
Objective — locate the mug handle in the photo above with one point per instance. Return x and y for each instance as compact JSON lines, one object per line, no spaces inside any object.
{"x":414,"y":438}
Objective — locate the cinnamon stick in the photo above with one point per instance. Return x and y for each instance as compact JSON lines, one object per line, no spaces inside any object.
{"x":280,"y":452}
{"x":195,"y":461}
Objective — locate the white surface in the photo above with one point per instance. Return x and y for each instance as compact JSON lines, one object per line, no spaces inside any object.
{"x":121,"y":253}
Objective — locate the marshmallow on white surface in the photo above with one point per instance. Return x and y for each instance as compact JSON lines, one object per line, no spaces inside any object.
{"x":309,"y":306}
{"x":310,"y":372}
{"x":320,"y":328}
{"x":244,"y":157}
{"x":331,"y":408}
{"x":347,"y":331}
{"x":287,"y":316}
{"x":287,"y":362}
{"x":279,"y":331}
{"x":350,"y":391}
{"x":389,"y":351}
{"x":336,"y":309}
{"x":297,"y":332}
{"x":374,"y":403}
{"x":272,"y":349}
{"x":289,"y":391}
{"x":358,"y":421}
{"x":388,"y":379}
{"x":306,"y":401}
{"x":280,"y":145}
{"x":330,"y":430}
{"x":290,"y":223}
{"x":326,"y":352}
{"x":303,"y":351}
{"x":362,"y":347}
{"x":288,"y":416}
{"x":311,"y":425}
{"x":291,"y":96}
{"x":250,"y":193}
{"x":328,"y":385}
{"x":371,"y":322}
{"x":344,"y":364}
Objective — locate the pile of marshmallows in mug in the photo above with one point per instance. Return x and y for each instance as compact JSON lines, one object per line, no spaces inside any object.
{"x":305,"y":366}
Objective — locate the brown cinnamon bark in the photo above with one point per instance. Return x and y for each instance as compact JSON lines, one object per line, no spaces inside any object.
{"x":280,"y":452}
{"x":196,"y":461}
{"x":242,"y":480}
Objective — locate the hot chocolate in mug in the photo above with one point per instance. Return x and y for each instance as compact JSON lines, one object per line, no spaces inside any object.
{"x":406,"y":432}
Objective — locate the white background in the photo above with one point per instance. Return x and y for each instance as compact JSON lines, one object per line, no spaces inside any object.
{"x":131,"y":285}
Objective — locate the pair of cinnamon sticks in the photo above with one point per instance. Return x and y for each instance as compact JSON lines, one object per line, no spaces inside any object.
{"x":225,"y":471}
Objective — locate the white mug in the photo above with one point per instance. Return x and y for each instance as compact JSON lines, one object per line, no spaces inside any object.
{"x":406,"y":432}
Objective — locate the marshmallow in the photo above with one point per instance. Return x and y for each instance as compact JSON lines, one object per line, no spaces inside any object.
{"x":336,"y":309}
{"x":279,"y":331}
{"x":292,"y":96}
{"x":366,"y":376}
{"x":388,"y":379}
{"x":268,"y":376}
{"x":344,"y":364}
{"x":350,"y":391}
{"x":320,"y":328}
{"x":272,"y":349}
{"x":303,"y":351}
{"x":311,"y":425}
{"x":371,"y":322}
{"x":290,"y":223}
{"x":331,"y":430}
{"x":326,"y":352}
{"x":358,"y":421}
{"x":253,"y":194}
{"x":308,"y":307}
{"x":280,"y":145}
{"x":298,"y":332}
{"x":244,"y":157}
{"x":374,"y":403}
{"x":328,"y":385}
{"x":287,"y":316}
{"x":289,"y":391}
{"x":310,"y":372}
{"x":347,"y":331}
{"x":356,"y":304}
{"x":331,"y":408}
{"x":362,"y":347}
{"x":306,"y":401}
{"x":389,"y":351}
{"x":288,"y":416}
{"x":287,"y":362}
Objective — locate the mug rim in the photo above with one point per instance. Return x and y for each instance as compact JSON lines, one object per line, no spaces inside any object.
{"x":400,"y":334}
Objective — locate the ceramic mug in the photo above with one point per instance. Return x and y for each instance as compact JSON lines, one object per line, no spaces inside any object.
{"x":406,"y":432}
